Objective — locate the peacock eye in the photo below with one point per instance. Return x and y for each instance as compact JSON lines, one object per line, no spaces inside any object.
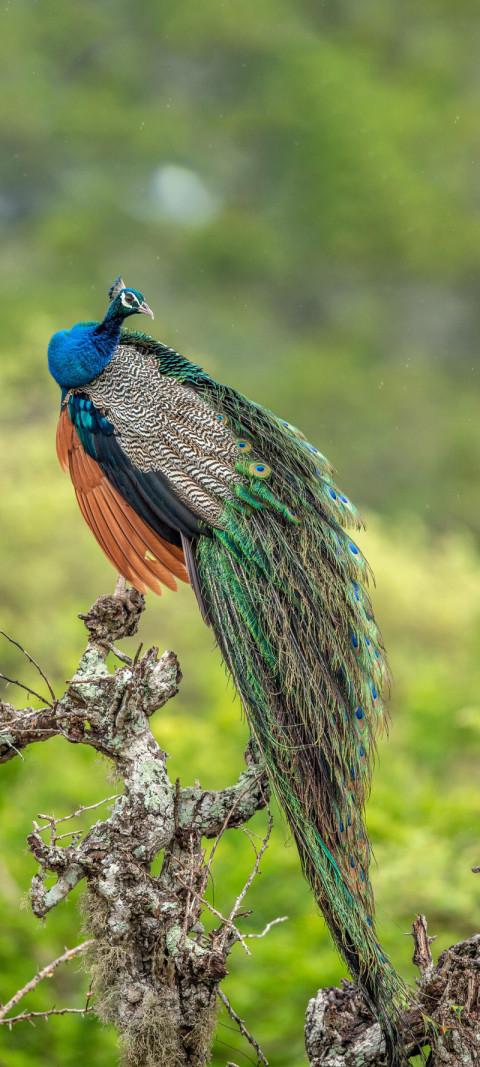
{"x":129,"y":298}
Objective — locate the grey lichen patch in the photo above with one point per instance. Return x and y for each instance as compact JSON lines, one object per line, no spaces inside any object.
{"x":173,"y":936}
{"x":44,"y":900}
{"x":101,"y":832}
{"x":161,"y":681}
{"x":91,"y":666}
{"x":91,"y":663}
{"x":137,"y":721}
{"x":108,"y":885}
{"x":163,"y":676}
{"x":155,"y":785}
{"x":121,"y":928}
{"x":195,"y":949}
{"x":168,"y":906}
{"x":7,"y":738}
{"x":116,"y":745}
{"x":208,"y":809}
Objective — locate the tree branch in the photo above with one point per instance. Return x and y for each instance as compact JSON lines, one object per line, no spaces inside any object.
{"x":341,"y":1032}
{"x":46,"y":972}
{"x":243,"y":1030}
{"x":155,"y":967}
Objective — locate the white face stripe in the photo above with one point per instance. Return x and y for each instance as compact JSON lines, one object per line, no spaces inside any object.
{"x":129,"y":303}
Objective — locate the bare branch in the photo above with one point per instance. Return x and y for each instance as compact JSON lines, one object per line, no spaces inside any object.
{"x":46,"y":972}
{"x":33,"y":662}
{"x":33,"y":693}
{"x":241,"y":896}
{"x":22,"y":728}
{"x":230,"y":813}
{"x":79,"y":811}
{"x":26,"y":1016}
{"x":273,"y":922}
{"x":243,"y":1030}
{"x":422,"y":957}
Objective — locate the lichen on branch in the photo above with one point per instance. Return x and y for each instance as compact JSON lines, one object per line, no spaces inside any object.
{"x":155,"y":969}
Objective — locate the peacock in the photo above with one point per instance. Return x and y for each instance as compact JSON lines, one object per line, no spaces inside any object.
{"x":179,"y":477}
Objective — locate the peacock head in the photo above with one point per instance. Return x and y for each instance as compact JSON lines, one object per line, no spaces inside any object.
{"x":125,"y":301}
{"x":77,"y":355}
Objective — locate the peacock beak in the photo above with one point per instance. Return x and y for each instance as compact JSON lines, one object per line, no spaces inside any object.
{"x":146,"y":310}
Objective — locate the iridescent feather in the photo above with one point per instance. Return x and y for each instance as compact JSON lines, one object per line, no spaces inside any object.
{"x":176,"y":473}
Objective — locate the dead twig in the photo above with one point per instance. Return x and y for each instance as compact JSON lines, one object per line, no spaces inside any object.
{"x":243,"y":1030}
{"x":33,"y":693}
{"x":33,"y":662}
{"x":229,"y":816}
{"x":79,"y":811}
{"x":227,"y":924}
{"x":422,"y":957}
{"x":282,"y":919}
{"x":46,"y":972}
{"x":27,"y":1016}
{"x":258,"y":855}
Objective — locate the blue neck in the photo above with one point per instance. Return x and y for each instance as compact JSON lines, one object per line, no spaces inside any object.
{"x":106,"y":335}
{"x":76,"y":356}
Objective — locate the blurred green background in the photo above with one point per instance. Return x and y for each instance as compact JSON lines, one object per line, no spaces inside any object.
{"x":294,"y":186}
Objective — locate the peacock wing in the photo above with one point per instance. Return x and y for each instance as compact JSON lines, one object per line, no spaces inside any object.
{"x":132,"y":544}
{"x":149,"y":444}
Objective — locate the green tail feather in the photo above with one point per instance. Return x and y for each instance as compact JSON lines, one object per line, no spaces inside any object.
{"x":284,"y":586}
{"x":283,"y":581}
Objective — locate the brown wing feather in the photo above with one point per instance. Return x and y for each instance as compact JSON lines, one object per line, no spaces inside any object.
{"x":95,"y":521}
{"x":105,"y":526}
{"x":64,"y":439}
{"x":130,"y":544}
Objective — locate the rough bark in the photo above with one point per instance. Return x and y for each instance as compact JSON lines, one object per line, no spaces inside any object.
{"x":445,"y":1019}
{"x":155,"y":971}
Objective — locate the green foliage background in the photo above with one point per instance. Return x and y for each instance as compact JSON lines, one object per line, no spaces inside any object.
{"x":323,"y":257}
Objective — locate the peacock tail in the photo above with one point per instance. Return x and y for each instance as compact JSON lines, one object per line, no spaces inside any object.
{"x":181,"y":477}
{"x":285,"y":585}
